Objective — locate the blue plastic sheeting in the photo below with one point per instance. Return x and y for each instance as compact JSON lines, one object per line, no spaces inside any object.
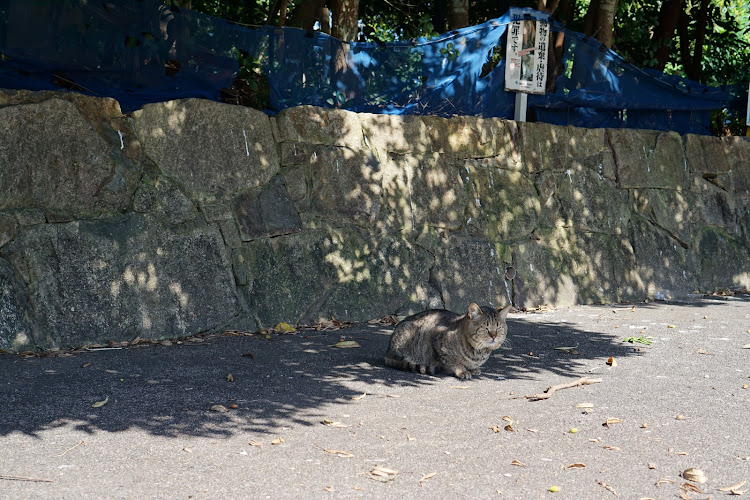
{"x":140,"y":51}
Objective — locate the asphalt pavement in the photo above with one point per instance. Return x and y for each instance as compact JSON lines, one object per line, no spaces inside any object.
{"x":306,"y":418}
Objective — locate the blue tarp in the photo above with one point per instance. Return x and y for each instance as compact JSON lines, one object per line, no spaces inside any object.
{"x":140,"y":51}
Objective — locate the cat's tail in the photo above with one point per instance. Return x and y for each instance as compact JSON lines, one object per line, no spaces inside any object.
{"x":398,"y":362}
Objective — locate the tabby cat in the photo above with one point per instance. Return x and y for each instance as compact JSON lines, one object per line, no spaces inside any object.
{"x":439,"y":339}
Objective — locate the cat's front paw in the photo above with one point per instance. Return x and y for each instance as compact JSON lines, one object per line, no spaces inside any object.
{"x":462,"y":374}
{"x":476,"y":372}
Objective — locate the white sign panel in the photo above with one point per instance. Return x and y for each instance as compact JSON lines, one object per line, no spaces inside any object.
{"x":526,"y":57}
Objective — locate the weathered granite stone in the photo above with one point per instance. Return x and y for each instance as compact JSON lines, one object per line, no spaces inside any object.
{"x":54,"y":159}
{"x":544,"y":147}
{"x":666,"y":269}
{"x":315,"y":274}
{"x":8,"y":228}
{"x":330,"y":127}
{"x":145,"y":198}
{"x":714,"y":250}
{"x":708,"y":154}
{"x":649,"y":159}
{"x":266,"y":212}
{"x":297,"y":153}
{"x":296,"y":180}
{"x":582,"y":199}
{"x":713,"y":205}
{"x":423,"y":190}
{"x":470,"y":270}
{"x":30,"y":216}
{"x":172,"y":204}
{"x":231,"y":233}
{"x":564,"y":266}
{"x":216,"y":212}
{"x":670,"y":210}
{"x":97,"y":281}
{"x":16,"y":315}
{"x":504,"y":205}
{"x":345,"y":183}
{"x":211,"y":150}
{"x":464,"y":136}
{"x":399,"y":134}
{"x":740,"y":155}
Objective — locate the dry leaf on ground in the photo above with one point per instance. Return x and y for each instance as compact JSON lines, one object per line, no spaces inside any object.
{"x":518,"y":463}
{"x":331,"y":423}
{"x":428,"y":476}
{"x":101,"y":403}
{"x":734,"y":487}
{"x":219,"y":408}
{"x":695,"y":475}
{"x":382,"y":474}
{"x":346,"y":344}
{"x":611,"y":421}
{"x":277,"y":441}
{"x":339,"y":453}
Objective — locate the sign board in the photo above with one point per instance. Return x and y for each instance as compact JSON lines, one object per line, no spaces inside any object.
{"x":526,"y":56}
{"x":748,"y":106}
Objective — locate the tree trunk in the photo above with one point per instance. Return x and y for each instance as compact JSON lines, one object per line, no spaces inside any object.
{"x":692,"y":63}
{"x":458,"y":14}
{"x":304,"y":15}
{"x":345,"y":17}
{"x":606,"y":21}
{"x":669,"y":17}
{"x":599,"y":20}
{"x":548,"y":6}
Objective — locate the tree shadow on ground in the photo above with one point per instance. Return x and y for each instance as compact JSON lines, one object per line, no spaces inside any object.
{"x":287,"y":380}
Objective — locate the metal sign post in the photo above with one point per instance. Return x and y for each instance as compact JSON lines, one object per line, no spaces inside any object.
{"x":526,"y":61}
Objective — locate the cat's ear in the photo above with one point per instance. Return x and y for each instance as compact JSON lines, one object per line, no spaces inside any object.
{"x":474,"y":311}
{"x":505,"y":310}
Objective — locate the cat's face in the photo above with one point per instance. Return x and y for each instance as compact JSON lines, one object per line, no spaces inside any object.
{"x":488,"y":327}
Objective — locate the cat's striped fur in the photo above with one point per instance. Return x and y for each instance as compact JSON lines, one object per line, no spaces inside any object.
{"x":443,"y":340}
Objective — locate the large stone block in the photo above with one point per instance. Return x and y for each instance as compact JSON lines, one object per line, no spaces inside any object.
{"x":583,"y":199}
{"x":471,"y":270}
{"x":52,"y":158}
{"x":96,"y":281}
{"x":503,"y":204}
{"x":564,"y":266}
{"x":211,"y":150}
{"x":345,"y":183}
{"x":670,"y":210}
{"x":8,"y":227}
{"x":16,"y":314}
{"x":315,"y":274}
{"x":664,"y":266}
{"x":423,"y":190}
{"x":329,"y":127}
{"x":715,"y":251}
{"x":649,"y":159}
{"x":266,"y":212}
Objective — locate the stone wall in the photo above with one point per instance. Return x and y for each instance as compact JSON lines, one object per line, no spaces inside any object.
{"x":193,"y":216}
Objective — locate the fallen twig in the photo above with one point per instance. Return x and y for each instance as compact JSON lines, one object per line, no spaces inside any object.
{"x":546,"y":394}
{"x":23,"y":478}
{"x":72,"y":448}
